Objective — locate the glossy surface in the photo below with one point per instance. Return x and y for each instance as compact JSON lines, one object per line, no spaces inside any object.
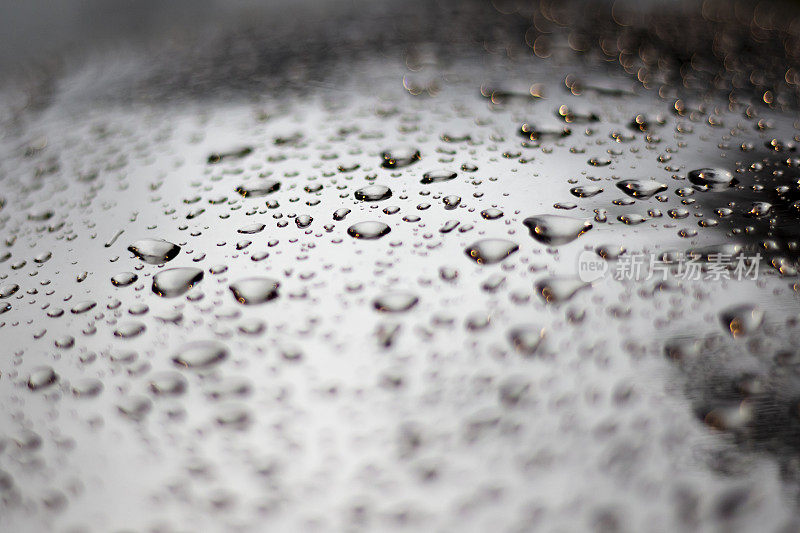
{"x":368,"y":313}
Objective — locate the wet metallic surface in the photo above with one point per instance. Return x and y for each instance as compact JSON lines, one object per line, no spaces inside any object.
{"x":432,"y":377}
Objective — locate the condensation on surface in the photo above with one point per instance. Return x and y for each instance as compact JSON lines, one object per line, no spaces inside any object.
{"x":353,"y":303}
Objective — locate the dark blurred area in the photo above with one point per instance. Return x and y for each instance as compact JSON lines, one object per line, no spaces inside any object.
{"x":202,"y":46}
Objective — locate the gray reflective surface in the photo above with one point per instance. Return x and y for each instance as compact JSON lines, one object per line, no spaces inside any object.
{"x":243,"y":291}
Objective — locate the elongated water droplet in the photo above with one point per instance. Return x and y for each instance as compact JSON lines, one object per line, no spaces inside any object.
{"x":642,"y":189}
{"x":437,"y":176}
{"x":560,"y":289}
{"x":373,"y":193}
{"x":713,"y":178}
{"x":8,"y":289}
{"x":261,"y":189}
{"x":123,"y":279}
{"x":200,"y":354}
{"x":250,"y":229}
{"x":339,"y":214}
{"x":154,"y":251}
{"x":490,"y":251}
{"x":399,"y":157}
{"x":167,"y":383}
{"x":585,"y":191}
{"x":42,"y":377}
{"x":368,"y":230}
{"x":395,"y":302}
{"x":176,"y":281}
{"x":556,"y":230}
{"x":256,"y":290}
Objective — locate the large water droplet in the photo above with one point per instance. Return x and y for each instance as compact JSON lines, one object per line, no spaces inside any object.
{"x":556,"y":230}
{"x":339,"y":214}
{"x":250,"y":229}
{"x":154,"y":251}
{"x":167,"y":383}
{"x":368,"y":230}
{"x":176,"y":281}
{"x":200,"y":354}
{"x":373,"y":193}
{"x":437,"y":176}
{"x":642,"y":189}
{"x":585,"y":191}
{"x":399,"y":157}
{"x":42,"y":377}
{"x":256,"y":290}
{"x":560,"y":289}
{"x":262,"y":189}
{"x":713,"y":178}
{"x":490,"y":251}
{"x":123,"y":279}
{"x":8,"y":289}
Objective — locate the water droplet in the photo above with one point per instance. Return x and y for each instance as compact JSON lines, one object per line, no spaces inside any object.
{"x":128,"y":330}
{"x":134,"y":407}
{"x":250,"y":229}
{"x":556,"y":230}
{"x":395,"y":302}
{"x":449,"y":226}
{"x":399,"y":157}
{"x":491,"y":214}
{"x":167,"y":384}
{"x":437,"y":176}
{"x":256,"y":290}
{"x":232,"y":154}
{"x":339,"y":214}
{"x":87,"y":388}
{"x":176,"y":281}
{"x":451,"y":202}
{"x":123,"y":279}
{"x":610,"y":252}
{"x":641,"y":189}
{"x":368,"y":230}
{"x":560,"y":289}
{"x":8,"y":289}
{"x":759,"y":209}
{"x":200,"y":354}
{"x":631,"y":219}
{"x":742,"y":320}
{"x":490,"y":251}
{"x":712,"y":178}
{"x":262,"y":189}
{"x":585,"y":191}
{"x":526,"y":339}
{"x":373,"y":193}
{"x":154,"y":251}
{"x":42,"y":377}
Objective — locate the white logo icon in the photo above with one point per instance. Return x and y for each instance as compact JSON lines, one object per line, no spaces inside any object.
{"x":591,"y":267}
